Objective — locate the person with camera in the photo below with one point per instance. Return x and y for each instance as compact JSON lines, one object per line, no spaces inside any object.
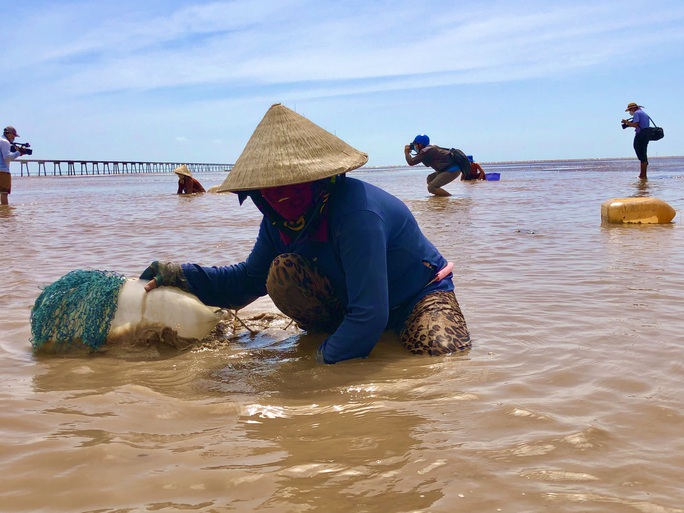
{"x":446,"y":163}
{"x":8,"y":152}
{"x":187,"y":184}
{"x":639,"y":121}
{"x":336,"y":254}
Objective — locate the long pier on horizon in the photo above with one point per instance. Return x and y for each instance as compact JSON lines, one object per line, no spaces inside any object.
{"x":111,"y":167}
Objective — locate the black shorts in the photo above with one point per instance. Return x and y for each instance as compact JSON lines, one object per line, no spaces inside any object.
{"x":641,"y":145}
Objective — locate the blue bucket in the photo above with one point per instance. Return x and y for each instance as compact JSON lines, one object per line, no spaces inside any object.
{"x":492,"y":177}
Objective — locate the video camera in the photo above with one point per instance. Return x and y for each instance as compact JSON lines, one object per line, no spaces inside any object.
{"x":24,"y":148}
{"x":624,"y":125}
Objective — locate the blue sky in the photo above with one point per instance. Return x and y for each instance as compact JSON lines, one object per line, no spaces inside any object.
{"x":169,"y":80}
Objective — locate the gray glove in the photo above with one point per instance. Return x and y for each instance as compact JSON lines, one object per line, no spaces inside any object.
{"x":169,"y":274}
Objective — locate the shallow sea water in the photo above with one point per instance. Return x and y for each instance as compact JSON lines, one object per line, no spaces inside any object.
{"x":570,"y":400}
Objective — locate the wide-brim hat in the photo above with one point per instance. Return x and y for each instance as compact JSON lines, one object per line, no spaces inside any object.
{"x":182,"y":170}
{"x":633,"y":106}
{"x":286,"y":149}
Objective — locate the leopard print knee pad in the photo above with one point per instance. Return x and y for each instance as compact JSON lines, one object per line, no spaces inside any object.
{"x":302,"y":292}
{"x":436,"y":326}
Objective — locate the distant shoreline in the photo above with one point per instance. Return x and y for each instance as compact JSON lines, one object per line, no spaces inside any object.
{"x":366,"y":168}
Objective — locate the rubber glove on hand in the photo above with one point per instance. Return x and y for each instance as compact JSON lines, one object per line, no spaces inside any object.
{"x":169,"y":274}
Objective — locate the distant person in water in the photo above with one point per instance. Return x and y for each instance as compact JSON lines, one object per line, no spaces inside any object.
{"x":446,"y":163}
{"x":8,"y":152}
{"x":640,"y":121}
{"x":476,"y":171}
{"x":186,"y":183}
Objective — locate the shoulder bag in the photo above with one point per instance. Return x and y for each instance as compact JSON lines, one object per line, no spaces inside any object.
{"x":655,"y":133}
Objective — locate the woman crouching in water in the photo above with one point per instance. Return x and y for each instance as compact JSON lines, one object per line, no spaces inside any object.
{"x":336,"y":254}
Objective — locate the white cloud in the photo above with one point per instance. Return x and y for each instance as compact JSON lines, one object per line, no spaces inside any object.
{"x":160,"y":60}
{"x":232,"y":44}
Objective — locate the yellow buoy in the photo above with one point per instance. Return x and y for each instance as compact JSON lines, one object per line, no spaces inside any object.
{"x":636,"y":211}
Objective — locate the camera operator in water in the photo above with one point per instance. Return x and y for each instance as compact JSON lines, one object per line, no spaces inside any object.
{"x":9,"y":151}
{"x":640,"y":121}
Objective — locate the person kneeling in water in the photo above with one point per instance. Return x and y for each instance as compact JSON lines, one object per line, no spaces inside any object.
{"x":476,"y":171}
{"x":187,"y":184}
{"x":336,"y":254}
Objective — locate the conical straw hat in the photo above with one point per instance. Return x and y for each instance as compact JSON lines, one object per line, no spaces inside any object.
{"x":182,"y":170}
{"x":285,"y":149}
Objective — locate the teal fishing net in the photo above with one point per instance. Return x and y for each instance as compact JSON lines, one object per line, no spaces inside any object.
{"x":79,"y":306}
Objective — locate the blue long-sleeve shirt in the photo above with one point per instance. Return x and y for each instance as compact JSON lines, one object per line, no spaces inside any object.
{"x":377,"y":259}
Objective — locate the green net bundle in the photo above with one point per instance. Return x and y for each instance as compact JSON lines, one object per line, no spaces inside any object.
{"x":79,"y":307}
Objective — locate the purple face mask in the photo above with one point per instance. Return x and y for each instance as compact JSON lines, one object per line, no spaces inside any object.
{"x":290,"y":201}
